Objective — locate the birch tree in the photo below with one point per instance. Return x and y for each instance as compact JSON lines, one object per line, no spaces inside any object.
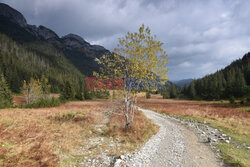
{"x":32,"y":90}
{"x":140,"y":61}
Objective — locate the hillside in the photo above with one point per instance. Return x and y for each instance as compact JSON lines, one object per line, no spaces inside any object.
{"x":232,"y":81}
{"x":79,"y":52}
{"x":19,"y":63}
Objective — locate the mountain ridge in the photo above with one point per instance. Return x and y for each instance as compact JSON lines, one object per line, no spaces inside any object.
{"x":78,"y":51}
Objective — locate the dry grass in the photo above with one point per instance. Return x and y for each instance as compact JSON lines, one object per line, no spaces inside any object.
{"x":34,"y":137}
{"x":227,"y":117}
{"x":60,"y":136}
{"x":233,"y":122}
{"x":141,"y":130}
{"x":19,"y":99}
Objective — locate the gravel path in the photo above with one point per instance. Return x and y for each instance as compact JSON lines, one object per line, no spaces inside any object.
{"x":174,"y":145}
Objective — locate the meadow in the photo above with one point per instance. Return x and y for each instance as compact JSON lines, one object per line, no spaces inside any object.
{"x":64,"y":135}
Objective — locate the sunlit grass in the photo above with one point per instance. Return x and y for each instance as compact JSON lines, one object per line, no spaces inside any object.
{"x":234,"y":156}
{"x":246,"y":109}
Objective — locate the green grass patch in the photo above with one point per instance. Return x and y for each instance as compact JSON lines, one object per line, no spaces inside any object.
{"x":71,"y":160}
{"x":234,"y":156}
{"x":245,"y":109}
{"x":239,"y":138}
{"x":53,"y":102}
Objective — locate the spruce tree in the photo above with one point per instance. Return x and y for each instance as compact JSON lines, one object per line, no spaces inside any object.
{"x":67,"y":93}
{"x":173,"y":91}
{"x":192,"y":91}
{"x":45,"y":86}
{"x":5,"y":94}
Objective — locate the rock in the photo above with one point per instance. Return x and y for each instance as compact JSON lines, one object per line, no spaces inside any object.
{"x":122,"y":157}
{"x":248,"y":148}
{"x":227,"y":141}
{"x":118,"y":162}
{"x":215,"y":140}
{"x":72,"y":40}
{"x":46,"y":33}
{"x":208,"y":140}
{"x":13,"y":15}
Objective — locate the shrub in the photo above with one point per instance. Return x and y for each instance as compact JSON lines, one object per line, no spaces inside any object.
{"x":45,"y":102}
{"x":248,"y":100}
{"x":242,"y":101}
{"x":89,"y":94}
{"x":232,"y":100}
{"x":100,"y":94}
{"x":148,"y":95}
{"x":80,"y":96}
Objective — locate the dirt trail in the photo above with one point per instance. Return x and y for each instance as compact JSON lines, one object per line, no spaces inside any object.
{"x":173,"y":145}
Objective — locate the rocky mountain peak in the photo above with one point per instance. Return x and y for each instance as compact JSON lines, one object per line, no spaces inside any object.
{"x":73,"y":40}
{"x":98,"y":47}
{"x":74,"y":37}
{"x":46,"y":33}
{"x":12,"y":14}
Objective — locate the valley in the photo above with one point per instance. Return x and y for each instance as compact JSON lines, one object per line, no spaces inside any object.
{"x":70,"y":102}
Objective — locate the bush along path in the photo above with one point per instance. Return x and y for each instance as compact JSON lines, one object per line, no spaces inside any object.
{"x":174,"y":145}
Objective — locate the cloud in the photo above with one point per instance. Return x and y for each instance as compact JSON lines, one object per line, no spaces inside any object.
{"x":200,"y":37}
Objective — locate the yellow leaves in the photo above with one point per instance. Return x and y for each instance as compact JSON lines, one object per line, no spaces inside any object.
{"x":138,"y":55}
{"x":141,"y":29}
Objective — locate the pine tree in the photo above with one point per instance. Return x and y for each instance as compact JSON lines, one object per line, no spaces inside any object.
{"x":165,"y":93}
{"x":45,"y":86}
{"x":192,"y":91}
{"x":173,"y":91}
{"x":67,"y":93}
{"x":5,"y":94}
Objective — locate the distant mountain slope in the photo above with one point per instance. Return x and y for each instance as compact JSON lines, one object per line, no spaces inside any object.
{"x":79,"y":52}
{"x":19,"y":63}
{"x":234,"y":80}
{"x":183,"y":82}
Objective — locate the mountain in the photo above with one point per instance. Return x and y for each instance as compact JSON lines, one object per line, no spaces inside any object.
{"x":183,"y":82}
{"x":19,"y":63}
{"x":232,"y":81}
{"x":28,"y":51}
{"x":73,"y":47}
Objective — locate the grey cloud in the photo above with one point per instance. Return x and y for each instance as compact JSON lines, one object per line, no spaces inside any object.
{"x":200,"y":37}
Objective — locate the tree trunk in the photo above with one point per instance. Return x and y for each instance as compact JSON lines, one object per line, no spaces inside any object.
{"x":129,"y":113}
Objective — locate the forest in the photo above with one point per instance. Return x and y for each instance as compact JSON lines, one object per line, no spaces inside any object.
{"x":231,"y":82}
{"x":31,"y":63}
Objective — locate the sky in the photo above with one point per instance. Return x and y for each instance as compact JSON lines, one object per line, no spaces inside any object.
{"x":199,"y":36}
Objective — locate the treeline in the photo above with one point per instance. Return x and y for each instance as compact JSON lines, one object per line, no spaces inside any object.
{"x":230,"y":82}
{"x":170,"y":90}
